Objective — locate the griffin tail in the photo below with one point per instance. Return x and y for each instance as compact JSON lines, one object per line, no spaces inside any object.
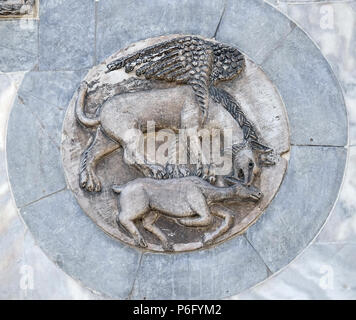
{"x":79,"y":108}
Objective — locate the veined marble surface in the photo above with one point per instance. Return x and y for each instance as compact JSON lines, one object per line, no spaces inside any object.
{"x":324,"y":270}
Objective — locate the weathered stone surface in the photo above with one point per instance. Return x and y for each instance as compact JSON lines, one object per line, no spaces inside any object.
{"x":310,"y":92}
{"x":323,"y":271}
{"x":54,"y":87}
{"x":123,"y":22}
{"x":34,"y":133}
{"x":210,"y":274}
{"x":18,"y":47}
{"x":331,"y":26}
{"x":79,"y":247}
{"x":254,"y":27}
{"x":47,"y":95}
{"x":33,"y":158}
{"x":19,"y":253}
{"x":341,"y":225}
{"x":66,"y":34}
{"x":301,"y":206}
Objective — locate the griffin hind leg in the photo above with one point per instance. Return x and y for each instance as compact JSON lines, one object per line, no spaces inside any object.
{"x":129,"y":225}
{"x":100,"y":147}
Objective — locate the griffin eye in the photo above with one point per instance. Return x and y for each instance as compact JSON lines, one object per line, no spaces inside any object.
{"x":250,"y":165}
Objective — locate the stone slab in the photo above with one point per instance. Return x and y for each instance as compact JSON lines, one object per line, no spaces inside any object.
{"x":34,"y":165}
{"x":34,"y":133}
{"x":210,"y":274}
{"x":331,"y":25}
{"x":254,"y":27}
{"x":341,"y":225}
{"x":323,"y":272}
{"x":310,"y":91}
{"x":301,"y":206}
{"x":18,"y":46}
{"x":79,"y":247}
{"x":66,"y":34}
{"x":48,"y":94}
{"x":120,"y":23}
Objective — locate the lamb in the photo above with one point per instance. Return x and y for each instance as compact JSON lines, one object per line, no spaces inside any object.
{"x":191,"y":200}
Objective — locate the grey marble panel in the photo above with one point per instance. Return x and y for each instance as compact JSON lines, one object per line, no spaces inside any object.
{"x":310,"y":91}
{"x":66,"y":34}
{"x":323,"y":271}
{"x":34,"y":162}
{"x":79,"y":247}
{"x":301,"y":206}
{"x":123,"y":22}
{"x":18,"y":45}
{"x":34,"y":134}
{"x":210,"y":274}
{"x":341,"y":225}
{"x":47,"y":94}
{"x":333,"y":27}
{"x":254,"y":27}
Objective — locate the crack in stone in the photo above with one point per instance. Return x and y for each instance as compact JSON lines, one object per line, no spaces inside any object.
{"x":220,"y":20}
{"x":279,"y":43}
{"x":44,"y":197}
{"x":43,"y":100}
{"x":269,"y":271}
{"x":44,"y":130}
{"x":136,"y":274}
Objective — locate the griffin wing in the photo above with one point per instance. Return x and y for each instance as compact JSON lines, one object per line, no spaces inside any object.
{"x":184,"y":60}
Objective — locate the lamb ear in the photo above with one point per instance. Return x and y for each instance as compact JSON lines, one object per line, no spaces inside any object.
{"x":232,"y":180}
{"x":256,"y":146}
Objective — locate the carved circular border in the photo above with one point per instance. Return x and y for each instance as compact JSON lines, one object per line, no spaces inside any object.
{"x":252,"y":89}
{"x":291,"y":222}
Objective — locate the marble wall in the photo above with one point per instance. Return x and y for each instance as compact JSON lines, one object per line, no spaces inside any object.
{"x":324,"y":270}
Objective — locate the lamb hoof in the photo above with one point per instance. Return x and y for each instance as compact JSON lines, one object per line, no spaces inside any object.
{"x":141,"y":242}
{"x":168,"y":246}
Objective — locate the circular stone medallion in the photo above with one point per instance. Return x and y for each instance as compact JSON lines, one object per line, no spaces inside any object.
{"x":175,"y":82}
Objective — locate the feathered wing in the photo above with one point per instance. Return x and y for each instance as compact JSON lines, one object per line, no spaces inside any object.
{"x":185,"y":60}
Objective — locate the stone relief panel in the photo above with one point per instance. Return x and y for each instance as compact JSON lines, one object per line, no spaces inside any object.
{"x":175,"y":143}
{"x":17,"y":8}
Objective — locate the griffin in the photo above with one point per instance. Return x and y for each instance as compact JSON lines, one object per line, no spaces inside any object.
{"x":190,"y":62}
